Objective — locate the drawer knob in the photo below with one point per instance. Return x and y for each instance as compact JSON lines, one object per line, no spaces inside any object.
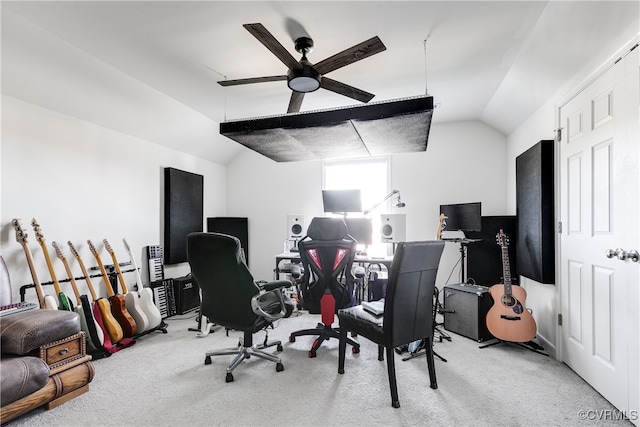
{"x":63,"y":351}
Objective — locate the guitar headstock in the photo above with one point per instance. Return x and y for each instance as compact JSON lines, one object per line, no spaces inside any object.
{"x":126,"y":245}
{"x":92,"y":248}
{"x":107,"y":246}
{"x":38,"y":230}
{"x":73,"y":249}
{"x":21,"y":236}
{"x":58,"y":249}
{"x":442,"y":223}
{"x":502,"y":239}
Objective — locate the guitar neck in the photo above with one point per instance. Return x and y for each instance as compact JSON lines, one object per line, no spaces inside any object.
{"x":506,"y":270}
{"x":119,"y":273}
{"x":52,"y":272}
{"x":105,"y":276}
{"x":92,"y":291}
{"x":133,"y":264}
{"x":74,"y":285}
{"x":34,"y":275}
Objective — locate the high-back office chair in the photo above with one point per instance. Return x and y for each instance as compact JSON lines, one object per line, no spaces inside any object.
{"x":408,"y":309}
{"x":231,"y":298}
{"x":327,"y":253}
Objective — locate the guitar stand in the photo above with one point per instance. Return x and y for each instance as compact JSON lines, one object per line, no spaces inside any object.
{"x":421,"y":352}
{"x":532,"y":346}
{"x":204,"y":326}
{"x":162,"y":327}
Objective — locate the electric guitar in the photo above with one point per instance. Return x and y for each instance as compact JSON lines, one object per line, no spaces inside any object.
{"x":93,"y":332}
{"x":45,"y":301}
{"x":101,"y":307}
{"x":130,"y":298}
{"x":508,"y":319}
{"x":145,"y":294}
{"x":118,"y":306}
{"x":64,"y":303}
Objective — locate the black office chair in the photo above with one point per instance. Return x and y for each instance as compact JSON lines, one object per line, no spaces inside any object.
{"x":232,"y":298}
{"x":327,"y":253}
{"x":408,"y":309}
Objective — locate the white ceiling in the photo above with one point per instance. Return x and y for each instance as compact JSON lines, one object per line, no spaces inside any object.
{"x":149,"y":68}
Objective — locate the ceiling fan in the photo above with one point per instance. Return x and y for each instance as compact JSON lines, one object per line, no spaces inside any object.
{"x":303,"y":76}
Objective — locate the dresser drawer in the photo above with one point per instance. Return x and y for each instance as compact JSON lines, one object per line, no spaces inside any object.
{"x":61,"y":352}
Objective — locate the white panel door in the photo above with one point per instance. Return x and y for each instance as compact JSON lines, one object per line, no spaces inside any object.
{"x":599,"y":192}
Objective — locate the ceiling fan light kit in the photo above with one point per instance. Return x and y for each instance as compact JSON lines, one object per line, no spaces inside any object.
{"x":304,"y":79}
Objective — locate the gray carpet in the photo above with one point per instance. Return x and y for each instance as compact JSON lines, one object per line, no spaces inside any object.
{"x":162,"y":381}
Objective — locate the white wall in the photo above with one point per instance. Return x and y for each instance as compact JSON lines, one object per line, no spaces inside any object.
{"x":464,"y":162}
{"x":82,"y":181}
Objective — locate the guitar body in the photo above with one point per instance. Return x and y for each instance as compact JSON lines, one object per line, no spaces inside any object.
{"x":132,"y":303}
{"x":50,"y":303}
{"x":150,"y":309}
{"x":93,"y":328}
{"x":65,"y":304}
{"x":122,"y":315}
{"x":508,"y":319}
{"x":111,"y":325}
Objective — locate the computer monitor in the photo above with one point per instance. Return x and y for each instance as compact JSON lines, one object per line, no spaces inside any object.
{"x":360,"y":229}
{"x":462,"y":216}
{"x":341,"y":201}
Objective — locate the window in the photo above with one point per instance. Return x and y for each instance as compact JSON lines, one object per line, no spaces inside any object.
{"x":371,"y":177}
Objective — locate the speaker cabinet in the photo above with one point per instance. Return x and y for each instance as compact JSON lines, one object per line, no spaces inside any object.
{"x":393,"y":228}
{"x":466,"y":307}
{"x":295,"y":226}
{"x":233,"y":226}
{"x":535,"y":251}
{"x":187,"y":294}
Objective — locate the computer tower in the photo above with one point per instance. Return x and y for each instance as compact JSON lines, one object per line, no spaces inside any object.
{"x":465,"y":310}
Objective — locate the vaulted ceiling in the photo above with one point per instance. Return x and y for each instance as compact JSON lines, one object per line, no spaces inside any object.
{"x":150,"y":68}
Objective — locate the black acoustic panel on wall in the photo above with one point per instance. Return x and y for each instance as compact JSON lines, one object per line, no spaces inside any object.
{"x":535,"y":249}
{"x":183,"y":211}
{"x":484,"y":257}
{"x":233,"y":226}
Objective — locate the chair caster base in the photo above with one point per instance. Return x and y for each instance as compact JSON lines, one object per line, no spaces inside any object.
{"x":279,"y":347}
{"x":279,"y":367}
{"x":229,"y":378}
{"x":207,"y":360}
{"x":395,"y":404}
{"x":292,"y":339}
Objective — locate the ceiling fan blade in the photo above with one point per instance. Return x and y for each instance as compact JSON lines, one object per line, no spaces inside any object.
{"x":266,"y":38}
{"x":355,"y":53}
{"x":295,"y":102}
{"x":251,"y":80}
{"x":346,"y":90}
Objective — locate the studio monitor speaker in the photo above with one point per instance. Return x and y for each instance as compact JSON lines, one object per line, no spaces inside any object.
{"x":295,"y":226}
{"x":393,"y":228}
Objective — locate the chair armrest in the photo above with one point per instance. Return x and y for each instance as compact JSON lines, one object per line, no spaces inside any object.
{"x":268,"y":289}
{"x":277,"y":284}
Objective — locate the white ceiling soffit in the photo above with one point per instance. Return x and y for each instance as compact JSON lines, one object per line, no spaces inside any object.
{"x":150,"y":68}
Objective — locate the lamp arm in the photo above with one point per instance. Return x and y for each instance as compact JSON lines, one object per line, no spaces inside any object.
{"x":380,"y":202}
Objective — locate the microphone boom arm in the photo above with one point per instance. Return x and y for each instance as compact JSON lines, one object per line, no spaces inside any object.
{"x":381,"y":201}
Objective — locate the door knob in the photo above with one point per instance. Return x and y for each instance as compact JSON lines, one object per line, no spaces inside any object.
{"x":610,"y":253}
{"x":622,"y":255}
{"x":633,"y":255}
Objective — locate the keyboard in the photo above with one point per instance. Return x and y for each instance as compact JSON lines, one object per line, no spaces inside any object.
{"x":17,"y":308}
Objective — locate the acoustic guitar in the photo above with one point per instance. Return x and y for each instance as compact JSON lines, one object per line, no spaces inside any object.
{"x":93,"y":332}
{"x":145,"y":294}
{"x":118,"y":306}
{"x":130,"y":298}
{"x":64,"y":303}
{"x":45,"y":301}
{"x":508,"y":319}
{"x":101,"y":307}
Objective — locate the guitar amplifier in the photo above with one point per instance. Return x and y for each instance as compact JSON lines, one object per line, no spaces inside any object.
{"x":187,"y":294}
{"x":163,"y":297}
{"x":465,"y":310}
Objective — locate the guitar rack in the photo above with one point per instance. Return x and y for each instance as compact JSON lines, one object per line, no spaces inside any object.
{"x":113,"y":279}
